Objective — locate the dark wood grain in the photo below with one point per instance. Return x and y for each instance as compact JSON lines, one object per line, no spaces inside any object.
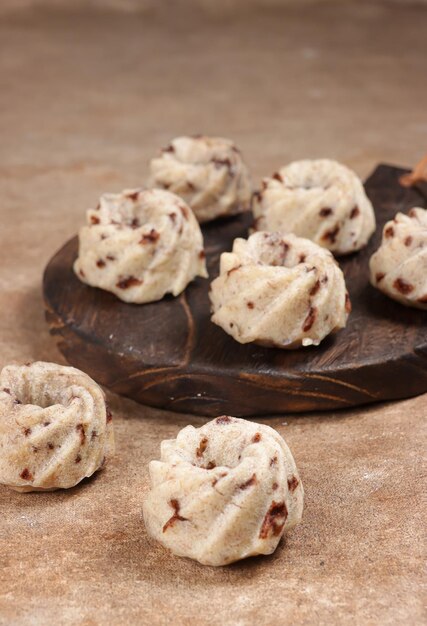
{"x":170,"y":355}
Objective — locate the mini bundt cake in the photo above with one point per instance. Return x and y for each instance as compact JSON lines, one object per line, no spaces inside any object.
{"x":223,"y":492}
{"x":279,"y":290}
{"x":208,"y":172}
{"x":399,"y":267}
{"x":55,"y":428}
{"x":140,"y":245}
{"x":321,"y":200}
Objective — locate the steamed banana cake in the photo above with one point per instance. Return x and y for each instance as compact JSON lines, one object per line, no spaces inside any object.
{"x":223,"y":492}
{"x":55,"y":427}
{"x":399,"y":267}
{"x":207,"y":172}
{"x":140,"y":245}
{"x":279,"y":290}
{"x":321,"y":200}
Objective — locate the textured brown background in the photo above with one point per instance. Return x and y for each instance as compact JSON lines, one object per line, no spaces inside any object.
{"x":86,"y":98}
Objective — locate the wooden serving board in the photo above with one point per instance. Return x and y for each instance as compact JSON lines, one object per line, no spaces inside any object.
{"x":168,"y":354}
